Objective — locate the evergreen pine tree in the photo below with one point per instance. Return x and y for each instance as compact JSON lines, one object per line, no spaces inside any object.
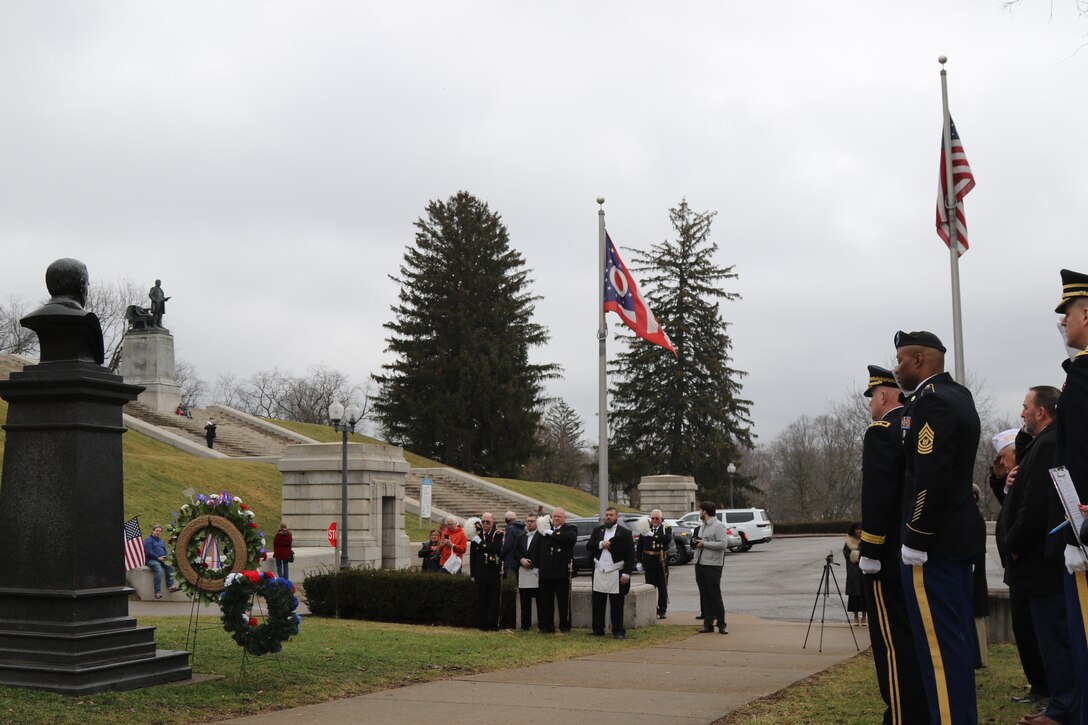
{"x":461,"y":388}
{"x":684,"y":414}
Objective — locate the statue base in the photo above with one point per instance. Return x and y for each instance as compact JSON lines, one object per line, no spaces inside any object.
{"x":147,"y":359}
{"x":64,"y":622}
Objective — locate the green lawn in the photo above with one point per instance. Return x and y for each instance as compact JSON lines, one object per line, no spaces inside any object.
{"x":846,"y":694}
{"x":577,"y":503}
{"x":329,"y":659}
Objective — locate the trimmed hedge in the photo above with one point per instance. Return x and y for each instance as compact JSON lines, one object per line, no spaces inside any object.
{"x":406,"y":596}
{"x":813,"y":527}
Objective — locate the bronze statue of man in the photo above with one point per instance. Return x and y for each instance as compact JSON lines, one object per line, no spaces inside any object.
{"x":66,"y":331}
{"x":158,"y":303}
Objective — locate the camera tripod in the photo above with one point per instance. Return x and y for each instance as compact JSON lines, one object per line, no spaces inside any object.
{"x":824,"y":590}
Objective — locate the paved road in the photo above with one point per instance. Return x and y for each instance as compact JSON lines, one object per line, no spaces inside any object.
{"x":779,"y":580}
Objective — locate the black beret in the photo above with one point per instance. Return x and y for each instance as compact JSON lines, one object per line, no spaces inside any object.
{"x":920,"y":338}
{"x":1074,"y":284}
{"x":879,"y":376}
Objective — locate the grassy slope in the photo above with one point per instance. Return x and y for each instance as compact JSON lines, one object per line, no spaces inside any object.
{"x":156,"y":474}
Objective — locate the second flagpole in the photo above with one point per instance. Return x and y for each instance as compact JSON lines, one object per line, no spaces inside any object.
{"x":602,"y":390}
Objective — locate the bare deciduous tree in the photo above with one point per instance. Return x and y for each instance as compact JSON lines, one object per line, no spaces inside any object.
{"x":109,"y":300}
{"x":14,"y":338}
{"x":193,"y":389}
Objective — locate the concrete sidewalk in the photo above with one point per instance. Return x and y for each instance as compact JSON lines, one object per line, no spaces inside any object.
{"x":696,"y":680}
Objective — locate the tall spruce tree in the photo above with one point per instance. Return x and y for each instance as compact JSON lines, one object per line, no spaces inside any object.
{"x":461,"y":388}
{"x":684,"y":414}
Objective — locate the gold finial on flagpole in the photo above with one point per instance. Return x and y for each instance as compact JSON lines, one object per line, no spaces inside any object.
{"x":600,"y":200}
{"x":942,"y":59}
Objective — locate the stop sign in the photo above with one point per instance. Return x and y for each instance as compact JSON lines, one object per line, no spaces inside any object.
{"x":332,"y":534}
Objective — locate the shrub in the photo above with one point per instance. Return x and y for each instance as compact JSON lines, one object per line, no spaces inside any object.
{"x":406,"y":596}
{"x":812,"y":527}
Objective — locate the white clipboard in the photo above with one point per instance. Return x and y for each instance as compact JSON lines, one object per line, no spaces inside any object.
{"x":1067,"y":494}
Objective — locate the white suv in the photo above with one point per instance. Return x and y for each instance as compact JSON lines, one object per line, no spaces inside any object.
{"x":752,"y":524}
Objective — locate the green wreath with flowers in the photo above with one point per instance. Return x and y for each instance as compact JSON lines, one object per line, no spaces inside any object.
{"x":201,"y":575}
{"x":280,"y":619}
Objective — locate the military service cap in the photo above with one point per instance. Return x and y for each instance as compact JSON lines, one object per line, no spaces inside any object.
{"x":1074,"y":284}
{"x":879,"y":376}
{"x":921,"y":339}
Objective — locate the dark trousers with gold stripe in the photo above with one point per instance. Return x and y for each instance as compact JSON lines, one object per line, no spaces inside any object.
{"x":894,"y":655}
{"x":1076,"y":609}
{"x":938,"y":596}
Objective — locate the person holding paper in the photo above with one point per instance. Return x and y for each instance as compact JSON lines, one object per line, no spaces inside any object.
{"x":527,"y":549}
{"x":1071,"y":432}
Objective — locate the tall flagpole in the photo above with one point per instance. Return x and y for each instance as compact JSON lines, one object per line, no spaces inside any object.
{"x":953,"y":220}
{"x":602,"y":390}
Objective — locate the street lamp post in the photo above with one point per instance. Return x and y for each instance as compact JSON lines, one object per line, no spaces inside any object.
{"x":732,"y":471}
{"x":336,"y":415}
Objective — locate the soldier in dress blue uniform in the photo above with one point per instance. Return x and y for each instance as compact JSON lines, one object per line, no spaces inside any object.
{"x":940,"y":431}
{"x":1071,"y":451}
{"x":653,"y":554}
{"x":882,"y":468}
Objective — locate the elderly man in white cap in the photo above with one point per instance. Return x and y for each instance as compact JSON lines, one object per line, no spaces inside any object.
{"x":1031,"y":659}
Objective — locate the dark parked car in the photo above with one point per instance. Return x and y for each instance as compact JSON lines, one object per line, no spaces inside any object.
{"x":583,"y":560}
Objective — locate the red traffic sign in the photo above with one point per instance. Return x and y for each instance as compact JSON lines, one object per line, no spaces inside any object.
{"x":332,"y":534}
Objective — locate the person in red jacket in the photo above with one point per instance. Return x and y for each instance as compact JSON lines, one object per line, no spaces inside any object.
{"x":281,"y":550}
{"x":453,"y":541}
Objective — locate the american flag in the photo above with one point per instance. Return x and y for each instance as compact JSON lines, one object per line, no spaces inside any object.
{"x":962,"y":183}
{"x":134,"y":544}
{"x":210,"y":553}
{"x":621,"y":296}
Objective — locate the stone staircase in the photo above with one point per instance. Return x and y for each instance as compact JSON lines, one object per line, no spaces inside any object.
{"x":464,"y":495}
{"x":12,"y":364}
{"x":234,"y":436}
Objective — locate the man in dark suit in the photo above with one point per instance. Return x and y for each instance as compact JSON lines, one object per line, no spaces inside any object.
{"x":487,"y":571}
{"x":1028,"y":570}
{"x":510,"y":535}
{"x":557,"y":550}
{"x":897,"y":673}
{"x":527,"y":551}
{"x":653,"y":553}
{"x":940,"y":430}
{"x":613,"y":550}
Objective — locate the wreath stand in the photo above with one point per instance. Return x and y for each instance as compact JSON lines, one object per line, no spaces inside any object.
{"x":246,"y":656}
{"x":207,"y":525}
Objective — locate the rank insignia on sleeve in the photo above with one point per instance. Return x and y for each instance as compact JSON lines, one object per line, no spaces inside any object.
{"x":925,"y":440}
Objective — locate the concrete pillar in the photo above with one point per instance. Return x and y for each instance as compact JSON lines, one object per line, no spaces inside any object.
{"x":674,"y":495}
{"x":147,"y":359}
{"x":312,"y":500}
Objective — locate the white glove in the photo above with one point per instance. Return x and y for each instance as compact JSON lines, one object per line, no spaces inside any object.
{"x":475,"y":539}
{"x":546,"y":532}
{"x":1074,"y":559}
{"x":869,"y":566}
{"x":638,"y":567}
{"x":913,"y":557}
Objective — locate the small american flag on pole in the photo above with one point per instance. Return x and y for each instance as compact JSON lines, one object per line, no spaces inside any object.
{"x":134,"y":544}
{"x":962,"y":183}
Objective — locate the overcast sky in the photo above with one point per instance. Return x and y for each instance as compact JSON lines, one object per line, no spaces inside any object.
{"x":266,"y":160}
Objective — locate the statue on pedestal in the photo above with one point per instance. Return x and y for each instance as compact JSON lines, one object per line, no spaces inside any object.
{"x":148,"y":318}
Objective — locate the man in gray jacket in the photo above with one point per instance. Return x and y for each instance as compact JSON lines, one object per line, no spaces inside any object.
{"x":709,"y":543}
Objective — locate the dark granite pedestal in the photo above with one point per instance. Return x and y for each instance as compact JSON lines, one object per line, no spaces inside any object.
{"x":64,"y":623}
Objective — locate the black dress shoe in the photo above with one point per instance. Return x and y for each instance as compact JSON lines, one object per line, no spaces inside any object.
{"x":706,"y":630}
{"x":619,"y":635}
{"x":596,"y":634}
{"x":565,"y":630}
{"x":660,"y":615}
{"x":722,"y":629}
